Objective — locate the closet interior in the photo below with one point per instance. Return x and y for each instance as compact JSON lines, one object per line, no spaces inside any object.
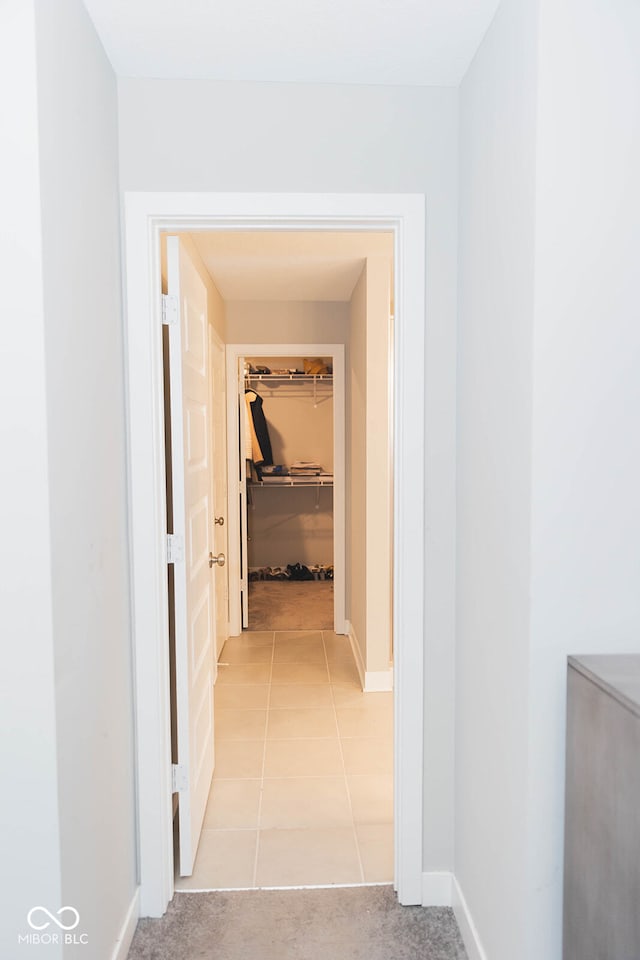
{"x":288,"y":470}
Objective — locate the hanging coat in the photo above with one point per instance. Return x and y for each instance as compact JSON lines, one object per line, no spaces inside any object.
{"x":258,"y":430}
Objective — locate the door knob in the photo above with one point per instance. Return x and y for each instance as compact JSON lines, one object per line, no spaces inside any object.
{"x":220,"y":559}
{"x":219,"y":520}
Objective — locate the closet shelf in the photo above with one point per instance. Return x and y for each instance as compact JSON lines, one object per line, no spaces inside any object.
{"x":321,"y":481}
{"x":313,"y":386}
{"x":277,"y":378}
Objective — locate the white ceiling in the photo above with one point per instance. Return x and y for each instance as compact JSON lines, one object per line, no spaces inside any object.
{"x":421,"y":42}
{"x":271,"y":265}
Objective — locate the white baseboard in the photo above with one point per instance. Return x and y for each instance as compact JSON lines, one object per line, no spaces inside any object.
{"x":371,"y":681}
{"x":437,"y":889}
{"x":378,"y":681}
{"x":123,"y":943}
{"x":442,"y":890}
{"x":472,"y":943}
{"x":355,"y":649}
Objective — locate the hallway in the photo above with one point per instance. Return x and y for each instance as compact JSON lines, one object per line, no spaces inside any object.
{"x":302,"y":792}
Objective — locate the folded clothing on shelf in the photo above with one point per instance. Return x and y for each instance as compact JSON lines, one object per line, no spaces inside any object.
{"x":307,"y":468}
{"x":316,"y":367}
{"x":275,"y":470}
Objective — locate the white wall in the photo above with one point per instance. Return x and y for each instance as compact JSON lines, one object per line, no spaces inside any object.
{"x":87,"y":469}
{"x":30,"y":823}
{"x":291,"y":137}
{"x":497,"y":180}
{"x":586,"y":392}
{"x":549,"y":447}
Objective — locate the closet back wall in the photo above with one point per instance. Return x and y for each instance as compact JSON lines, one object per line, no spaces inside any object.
{"x":278,"y":538}
{"x":293,"y":525}
{"x":298,"y":428}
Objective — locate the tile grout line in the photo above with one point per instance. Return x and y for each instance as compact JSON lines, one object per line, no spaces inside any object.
{"x":261,"y":778}
{"x":344,"y":767}
{"x":264,"y":761}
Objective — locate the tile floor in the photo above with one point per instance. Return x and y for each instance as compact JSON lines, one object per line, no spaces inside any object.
{"x":302,"y":792}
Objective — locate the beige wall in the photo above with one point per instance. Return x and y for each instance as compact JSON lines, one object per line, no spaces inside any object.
{"x":357,"y":465}
{"x":250,"y":321}
{"x":215,"y":303}
{"x":288,"y":525}
{"x":378,"y":466}
{"x":285,"y":526}
{"x":299,"y":429}
{"x":369,"y":537}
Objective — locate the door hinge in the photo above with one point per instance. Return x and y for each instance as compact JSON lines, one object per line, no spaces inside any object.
{"x":178,"y":778}
{"x":169,"y":309}
{"x":175,"y":548}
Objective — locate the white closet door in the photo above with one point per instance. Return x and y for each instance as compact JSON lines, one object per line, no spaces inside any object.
{"x":192,"y":520}
{"x":243,"y":506}
{"x":220,"y":520}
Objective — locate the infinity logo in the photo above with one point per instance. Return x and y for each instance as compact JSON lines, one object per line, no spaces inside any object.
{"x":43,"y":926}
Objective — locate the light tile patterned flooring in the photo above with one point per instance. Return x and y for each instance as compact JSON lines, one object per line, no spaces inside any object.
{"x":302,"y":792}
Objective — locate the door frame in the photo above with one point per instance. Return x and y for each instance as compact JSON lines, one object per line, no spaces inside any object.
{"x":146,"y":215}
{"x":234,"y":352}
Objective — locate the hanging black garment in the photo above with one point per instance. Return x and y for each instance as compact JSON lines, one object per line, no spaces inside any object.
{"x":261,"y":428}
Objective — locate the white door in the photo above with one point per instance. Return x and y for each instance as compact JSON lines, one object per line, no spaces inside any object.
{"x":220,"y":519}
{"x":194,"y":594}
{"x":243,"y":494}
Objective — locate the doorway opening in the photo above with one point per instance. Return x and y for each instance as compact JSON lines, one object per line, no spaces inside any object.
{"x":147,"y":217}
{"x":302,"y":664}
{"x":288,"y":555}
{"x":289,"y":535}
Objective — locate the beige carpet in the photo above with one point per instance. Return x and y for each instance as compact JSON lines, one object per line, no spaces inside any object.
{"x":283,"y":605}
{"x":356,"y":923}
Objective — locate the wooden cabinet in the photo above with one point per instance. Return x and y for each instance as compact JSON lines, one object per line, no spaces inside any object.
{"x":602,"y":822}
